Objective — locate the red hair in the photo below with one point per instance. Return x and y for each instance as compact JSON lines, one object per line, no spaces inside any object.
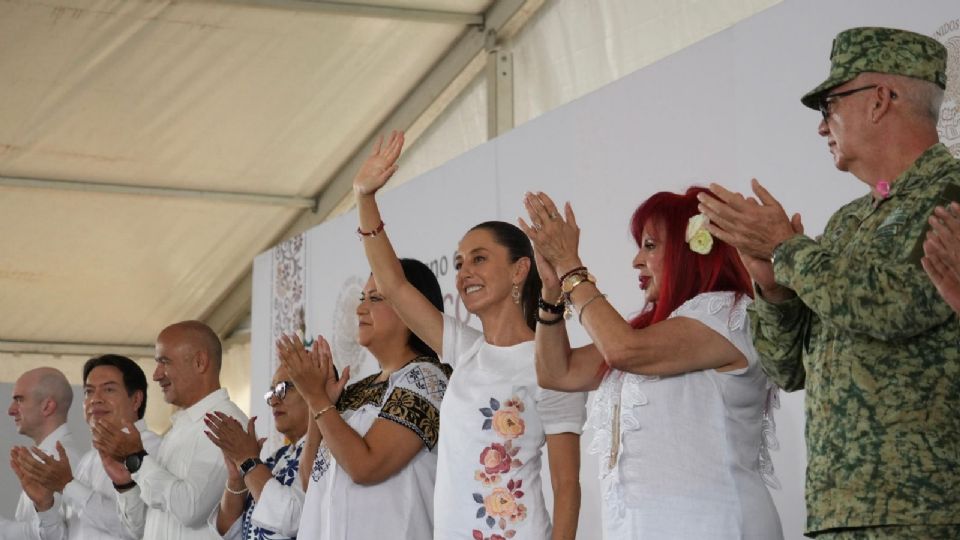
{"x":685,"y":274}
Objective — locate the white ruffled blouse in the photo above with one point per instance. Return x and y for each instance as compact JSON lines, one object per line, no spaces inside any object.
{"x":691,"y":458}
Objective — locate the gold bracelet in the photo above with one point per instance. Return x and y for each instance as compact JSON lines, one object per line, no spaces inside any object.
{"x":587,"y":303}
{"x":241,"y":492}
{"x":321,"y":411}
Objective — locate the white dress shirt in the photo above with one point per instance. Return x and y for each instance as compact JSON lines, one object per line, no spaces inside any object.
{"x":90,"y":501}
{"x":179,"y":486}
{"x":26,"y":524}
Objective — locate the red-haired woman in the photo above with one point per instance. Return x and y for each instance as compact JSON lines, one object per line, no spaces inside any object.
{"x":681,"y":417}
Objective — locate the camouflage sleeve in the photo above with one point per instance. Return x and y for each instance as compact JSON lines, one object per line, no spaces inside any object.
{"x":779,"y":331}
{"x":885,"y":299}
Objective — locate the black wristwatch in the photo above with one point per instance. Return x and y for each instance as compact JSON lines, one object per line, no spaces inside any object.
{"x":248,"y":465}
{"x":133,"y":462}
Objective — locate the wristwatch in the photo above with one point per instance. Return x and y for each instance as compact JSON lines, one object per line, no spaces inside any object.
{"x":571,"y":282}
{"x":134,"y":461}
{"x":248,"y":465}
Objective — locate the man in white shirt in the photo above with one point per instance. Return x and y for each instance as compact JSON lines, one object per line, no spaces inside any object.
{"x":115,"y":390}
{"x":40,"y":404}
{"x":178,"y":486}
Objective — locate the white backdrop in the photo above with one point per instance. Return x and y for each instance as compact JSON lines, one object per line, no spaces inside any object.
{"x":726,"y":109}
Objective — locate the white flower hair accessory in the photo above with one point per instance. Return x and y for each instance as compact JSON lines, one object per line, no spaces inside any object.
{"x":698,"y":237}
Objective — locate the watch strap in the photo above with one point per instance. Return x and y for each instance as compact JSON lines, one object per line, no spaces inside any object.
{"x":248,"y":465}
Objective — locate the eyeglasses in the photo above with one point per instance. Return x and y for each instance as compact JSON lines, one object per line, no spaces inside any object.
{"x":278,"y":392}
{"x":829,"y":99}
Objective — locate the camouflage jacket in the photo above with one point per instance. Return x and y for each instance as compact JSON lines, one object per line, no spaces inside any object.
{"x":878,"y":352}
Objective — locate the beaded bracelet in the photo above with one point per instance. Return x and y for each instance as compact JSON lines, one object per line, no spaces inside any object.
{"x":232,"y":492}
{"x":556,"y":309}
{"x":372,"y":233}
{"x":549,"y":322}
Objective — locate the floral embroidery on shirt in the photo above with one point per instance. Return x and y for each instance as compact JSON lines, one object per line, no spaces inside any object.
{"x":321,"y":464}
{"x":500,"y":507}
{"x":287,"y":459}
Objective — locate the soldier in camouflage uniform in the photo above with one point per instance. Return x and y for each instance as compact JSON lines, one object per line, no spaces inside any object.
{"x":850,"y":316}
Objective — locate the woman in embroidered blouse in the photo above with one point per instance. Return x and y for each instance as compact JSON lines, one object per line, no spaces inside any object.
{"x":372,"y":476}
{"x":266,"y":502}
{"x":495,"y":418}
{"x":682,"y":406}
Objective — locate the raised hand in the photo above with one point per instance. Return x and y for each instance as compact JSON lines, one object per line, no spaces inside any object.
{"x":555,"y":238}
{"x":228,"y":434}
{"x":41,"y":496}
{"x":941,"y":251}
{"x":380,"y":164}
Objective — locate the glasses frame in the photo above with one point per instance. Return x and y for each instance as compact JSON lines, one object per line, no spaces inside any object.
{"x":279,"y":391}
{"x":828,"y":99}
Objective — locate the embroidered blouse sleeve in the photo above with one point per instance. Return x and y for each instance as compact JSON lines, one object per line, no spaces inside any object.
{"x":281,"y":500}
{"x":413,"y":400}
{"x":457,"y":339}
{"x":726,"y":315}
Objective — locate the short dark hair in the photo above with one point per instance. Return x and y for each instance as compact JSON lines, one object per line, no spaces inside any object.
{"x":133,"y":377}
{"x":518,"y":246}
{"x":424,"y":280}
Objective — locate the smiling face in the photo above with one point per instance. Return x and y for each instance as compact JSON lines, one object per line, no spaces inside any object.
{"x":176,"y":370}
{"x":485,"y":273}
{"x":290,"y":413}
{"x":106,"y":396}
{"x":378,"y":323}
{"x":649,"y":261}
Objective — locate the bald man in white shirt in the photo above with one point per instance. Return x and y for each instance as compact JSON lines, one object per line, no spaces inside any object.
{"x":177,"y":488}
{"x":39,"y":407}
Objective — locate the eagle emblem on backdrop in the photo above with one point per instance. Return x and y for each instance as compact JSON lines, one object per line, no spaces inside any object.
{"x":949,"y":126}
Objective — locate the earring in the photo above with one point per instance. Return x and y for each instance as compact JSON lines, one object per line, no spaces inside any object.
{"x":516,"y":294}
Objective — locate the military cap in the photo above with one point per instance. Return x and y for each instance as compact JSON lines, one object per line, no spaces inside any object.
{"x":882,"y":50}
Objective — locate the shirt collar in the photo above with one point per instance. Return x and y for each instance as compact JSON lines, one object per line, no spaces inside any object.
{"x":197,"y":411}
{"x":49,"y":443}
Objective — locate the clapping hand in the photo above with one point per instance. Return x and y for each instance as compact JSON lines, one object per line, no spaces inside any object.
{"x":52,"y":473}
{"x":380,"y":165}
{"x":41,"y":496}
{"x":754,"y":228}
{"x":312,"y":371}
{"x":116,"y":440}
{"x":941,"y":251}
{"x":555,"y":238}
{"x":228,"y":434}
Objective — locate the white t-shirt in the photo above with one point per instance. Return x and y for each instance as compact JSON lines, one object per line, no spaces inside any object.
{"x":494,"y":421}
{"x":336,"y":507}
{"x":692,"y":458}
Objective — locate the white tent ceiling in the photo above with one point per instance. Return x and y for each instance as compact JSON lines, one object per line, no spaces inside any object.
{"x":161,"y":112}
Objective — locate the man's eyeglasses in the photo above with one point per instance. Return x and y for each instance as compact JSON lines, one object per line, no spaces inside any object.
{"x":827,"y":100}
{"x":278,"y":392}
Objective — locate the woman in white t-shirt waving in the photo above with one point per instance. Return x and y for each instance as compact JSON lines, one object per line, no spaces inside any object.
{"x":681,"y":418}
{"x":494,"y":418}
